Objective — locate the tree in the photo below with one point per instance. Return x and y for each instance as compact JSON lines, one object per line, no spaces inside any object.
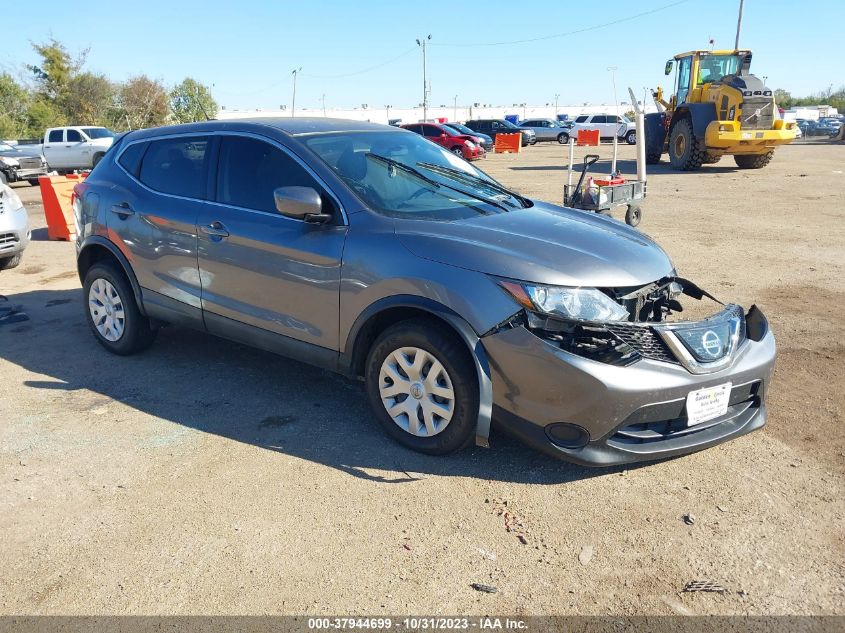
{"x":191,"y":101}
{"x":14,"y":101}
{"x":142,"y":102}
{"x":90,"y":99}
{"x":56,"y":70}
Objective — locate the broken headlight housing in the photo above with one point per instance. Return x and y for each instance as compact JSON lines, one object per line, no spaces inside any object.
{"x":572,"y":319}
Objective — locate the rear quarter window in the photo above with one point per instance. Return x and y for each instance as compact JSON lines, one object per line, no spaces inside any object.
{"x":131,"y":157}
{"x":176,"y":166}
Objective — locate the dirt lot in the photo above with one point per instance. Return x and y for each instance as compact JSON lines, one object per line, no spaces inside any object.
{"x":206,"y":477}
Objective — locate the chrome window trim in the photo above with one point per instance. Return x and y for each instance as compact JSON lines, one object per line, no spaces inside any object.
{"x":222,"y":133}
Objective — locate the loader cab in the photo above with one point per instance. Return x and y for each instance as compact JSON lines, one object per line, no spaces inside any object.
{"x":696,"y":69}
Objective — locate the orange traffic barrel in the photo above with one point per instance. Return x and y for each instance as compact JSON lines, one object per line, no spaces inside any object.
{"x":56,"y":194}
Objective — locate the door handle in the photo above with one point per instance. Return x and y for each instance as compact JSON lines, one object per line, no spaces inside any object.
{"x":122,"y":210}
{"x":215,"y":229}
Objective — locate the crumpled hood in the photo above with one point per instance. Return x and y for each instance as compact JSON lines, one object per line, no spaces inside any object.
{"x":544,"y":244}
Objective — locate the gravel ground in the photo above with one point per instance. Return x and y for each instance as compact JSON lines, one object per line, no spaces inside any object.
{"x":206,"y":477}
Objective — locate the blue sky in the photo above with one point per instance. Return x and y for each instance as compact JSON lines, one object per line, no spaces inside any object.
{"x":247,"y":49}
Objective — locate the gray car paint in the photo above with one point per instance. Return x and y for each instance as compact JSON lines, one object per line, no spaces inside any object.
{"x":320,"y":285}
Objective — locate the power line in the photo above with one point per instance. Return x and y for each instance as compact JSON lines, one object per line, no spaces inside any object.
{"x":365,"y":70}
{"x":567,"y":33}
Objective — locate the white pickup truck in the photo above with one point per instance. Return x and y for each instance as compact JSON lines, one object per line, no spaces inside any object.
{"x":75,"y":147}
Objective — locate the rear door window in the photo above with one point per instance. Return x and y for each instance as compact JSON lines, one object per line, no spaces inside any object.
{"x":55,"y":136}
{"x":176,"y":166}
{"x":431,"y":131}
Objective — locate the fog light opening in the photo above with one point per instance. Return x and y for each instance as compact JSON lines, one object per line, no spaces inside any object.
{"x":567,"y":435}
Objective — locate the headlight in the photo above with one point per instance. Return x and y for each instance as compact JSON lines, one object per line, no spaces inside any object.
{"x":469,"y":144}
{"x":9,"y":162}
{"x":11,"y":200}
{"x":579,"y":304}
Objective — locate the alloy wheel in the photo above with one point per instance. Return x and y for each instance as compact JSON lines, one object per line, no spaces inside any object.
{"x":416,"y":391}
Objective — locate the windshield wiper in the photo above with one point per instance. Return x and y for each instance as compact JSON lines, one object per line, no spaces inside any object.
{"x":472,"y":179}
{"x":417,"y":174}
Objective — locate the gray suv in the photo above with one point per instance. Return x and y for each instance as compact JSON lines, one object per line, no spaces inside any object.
{"x":368,"y":250}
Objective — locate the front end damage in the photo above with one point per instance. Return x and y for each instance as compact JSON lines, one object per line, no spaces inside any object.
{"x":622,"y":390}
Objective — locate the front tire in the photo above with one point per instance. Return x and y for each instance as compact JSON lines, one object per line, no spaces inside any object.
{"x":457,"y":151}
{"x":753,"y":161}
{"x":633,"y":215}
{"x":112,"y":313}
{"x":423,"y":387}
{"x":10,"y":262}
{"x":685,"y":153}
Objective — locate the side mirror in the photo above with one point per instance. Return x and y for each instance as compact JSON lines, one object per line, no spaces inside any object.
{"x":669,"y":65}
{"x":300,"y":203}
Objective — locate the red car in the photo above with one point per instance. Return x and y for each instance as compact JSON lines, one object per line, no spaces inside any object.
{"x":464,"y":145}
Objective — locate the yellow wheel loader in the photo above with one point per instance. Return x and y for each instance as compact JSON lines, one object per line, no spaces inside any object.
{"x":718,"y":108}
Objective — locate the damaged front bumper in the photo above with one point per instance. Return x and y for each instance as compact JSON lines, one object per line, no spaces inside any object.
{"x":600,"y":414}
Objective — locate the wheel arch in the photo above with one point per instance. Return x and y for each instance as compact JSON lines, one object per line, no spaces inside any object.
{"x":97,"y":249}
{"x":699,"y":114}
{"x":391,"y":310}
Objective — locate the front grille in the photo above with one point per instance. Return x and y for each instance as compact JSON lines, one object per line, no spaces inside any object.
{"x":758,"y":113}
{"x":8,"y":240}
{"x":644,"y":340}
{"x":667,"y":420}
{"x":30,"y":162}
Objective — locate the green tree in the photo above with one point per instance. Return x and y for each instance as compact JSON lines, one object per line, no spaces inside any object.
{"x":14,"y":100}
{"x":191,"y":101}
{"x":141,"y":102}
{"x":57,"y":68}
{"x":89,"y":99}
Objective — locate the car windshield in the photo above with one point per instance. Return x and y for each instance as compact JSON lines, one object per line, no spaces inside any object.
{"x":463,"y":129}
{"x":510,"y":125}
{"x":402,"y":174}
{"x":97,"y":132}
{"x":6,"y":148}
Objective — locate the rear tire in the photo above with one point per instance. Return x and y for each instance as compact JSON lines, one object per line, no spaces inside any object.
{"x":97,"y":159}
{"x":631,"y":137}
{"x":685,"y":152}
{"x":753,"y":161}
{"x":652,"y":158}
{"x":563,"y":138}
{"x":10,"y":262}
{"x":633,"y":215}
{"x":131,"y":331}
{"x":428,"y":343}
{"x":711,"y":159}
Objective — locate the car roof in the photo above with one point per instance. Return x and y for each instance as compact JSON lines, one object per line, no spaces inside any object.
{"x":290,"y":126}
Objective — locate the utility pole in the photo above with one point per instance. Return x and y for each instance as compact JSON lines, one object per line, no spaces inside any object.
{"x":738,"y":25}
{"x":455,"y":112}
{"x":421,"y":44}
{"x":557,"y":96}
{"x":387,"y":107}
{"x":294,"y":72}
{"x":323,"y":99}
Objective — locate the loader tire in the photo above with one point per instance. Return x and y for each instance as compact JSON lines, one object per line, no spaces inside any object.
{"x":652,"y":158}
{"x":711,"y":159}
{"x":685,"y":151}
{"x":753,"y":161}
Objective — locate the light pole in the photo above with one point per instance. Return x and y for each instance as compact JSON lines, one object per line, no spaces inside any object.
{"x":557,"y":96}
{"x":387,"y":107}
{"x":323,"y":99}
{"x":612,"y":70}
{"x":738,"y":25}
{"x":455,"y":112}
{"x":294,"y":72}
{"x":421,"y":43}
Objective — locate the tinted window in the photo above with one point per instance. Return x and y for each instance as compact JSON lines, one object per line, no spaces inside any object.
{"x":98,"y":132}
{"x":581,"y":119}
{"x":250,"y":170}
{"x":413,"y":128}
{"x":73,"y":136}
{"x":130,"y":159}
{"x":599,"y":118}
{"x":55,"y":136}
{"x":176,"y":166}
{"x":431,"y":131}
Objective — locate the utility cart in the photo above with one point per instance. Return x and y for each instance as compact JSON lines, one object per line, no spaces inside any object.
{"x":601,"y":195}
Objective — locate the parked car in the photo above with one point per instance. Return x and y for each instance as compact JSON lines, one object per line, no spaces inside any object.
{"x":463,"y":145}
{"x":485,"y":141}
{"x":817,"y":128}
{"x":16,"y":165}
{"x":75,"y":147}
{"x":607,"y":125}
{"x":14,"y":228}
{"x":548,"y":129}
{"x":491,"y":127}
{"x":367,"y":250}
